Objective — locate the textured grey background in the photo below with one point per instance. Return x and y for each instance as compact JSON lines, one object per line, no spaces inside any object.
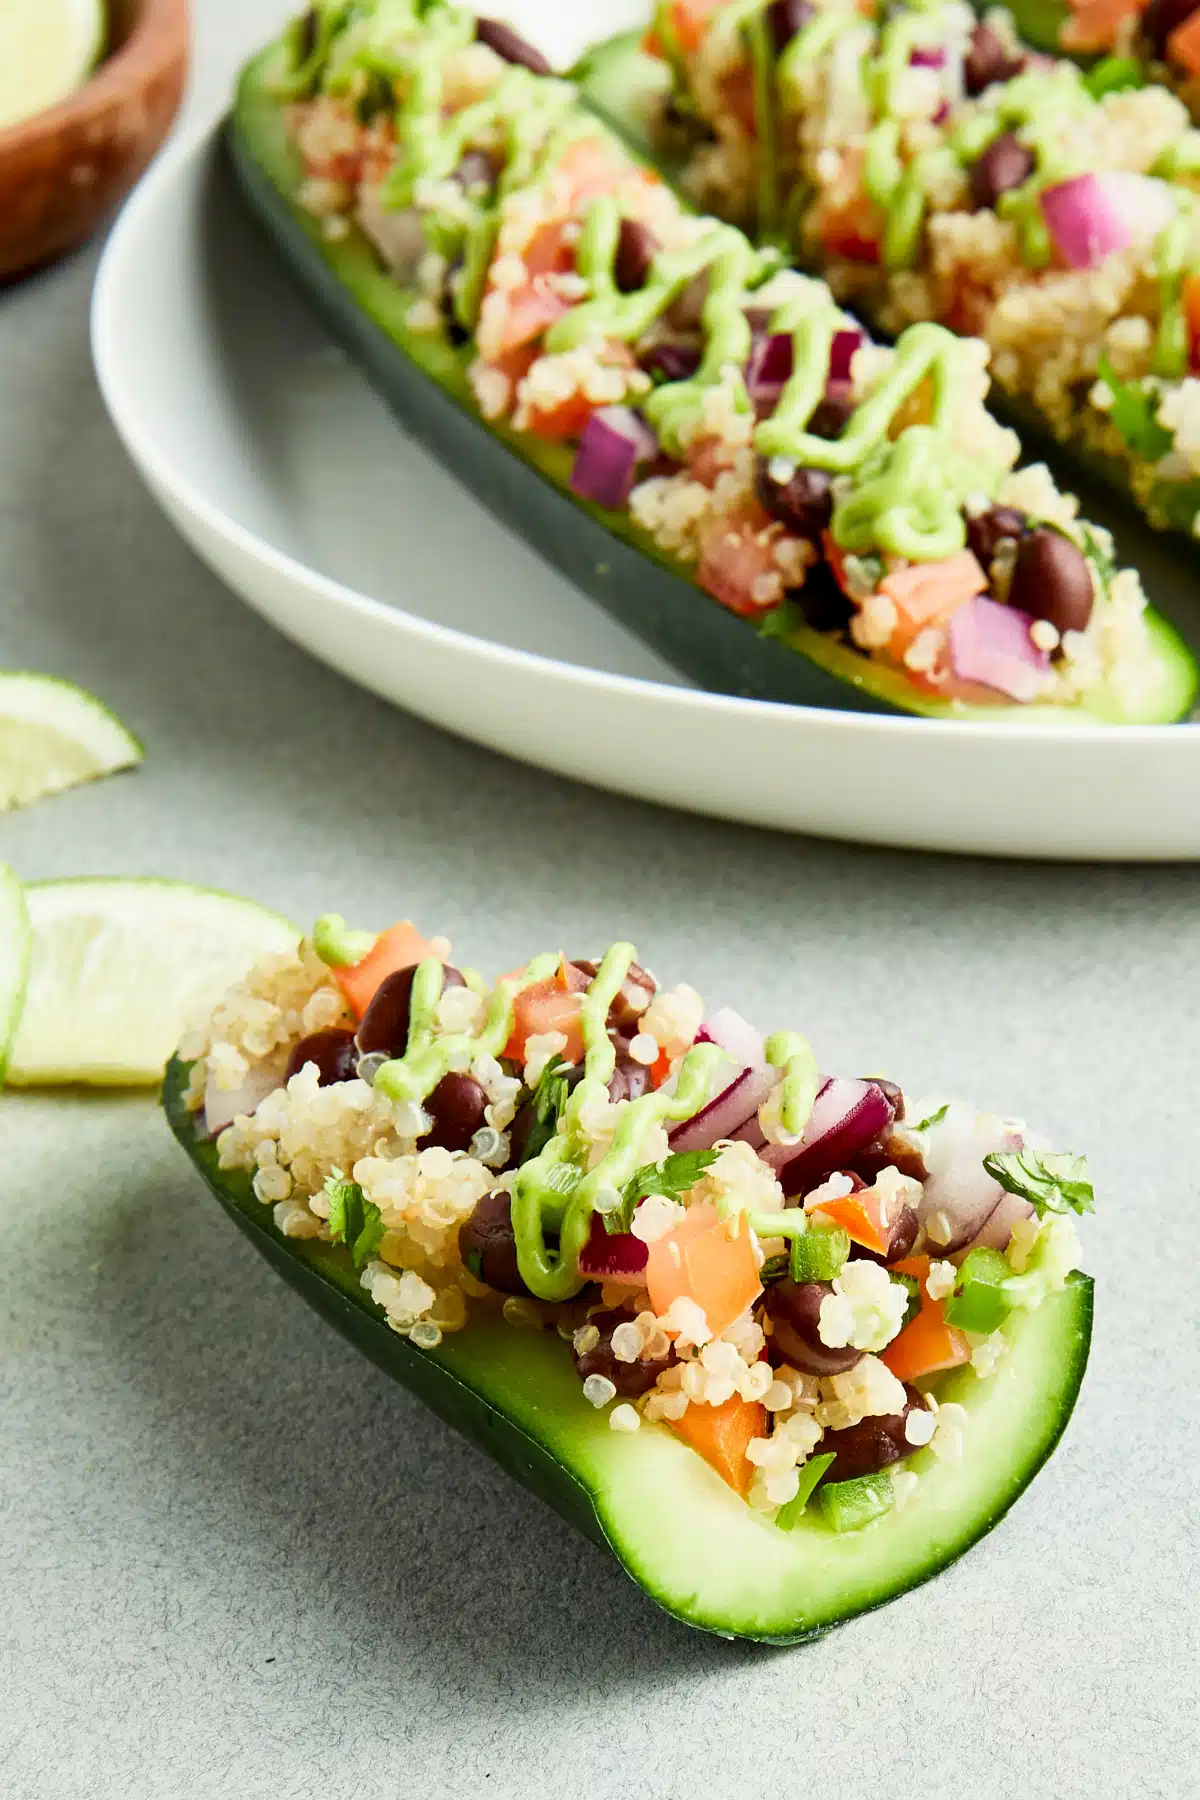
{"x":235,"y":1561}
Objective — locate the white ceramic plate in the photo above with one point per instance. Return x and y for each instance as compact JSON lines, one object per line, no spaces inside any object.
{"x":286,"y":474}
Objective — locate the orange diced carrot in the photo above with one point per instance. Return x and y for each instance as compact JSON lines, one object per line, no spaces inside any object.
{"x":708,"y":1260}
{"x":652,"y":43}
{"x":1093,"y":25}
{"x":691,"y":20}
{"x":861,"y":1215}
{"x":660,"y":1069}
{"x":721,"y":1435}
{"x":1183,"y":45}
{"x":927,"y":1344}
{"x":400,"y":947}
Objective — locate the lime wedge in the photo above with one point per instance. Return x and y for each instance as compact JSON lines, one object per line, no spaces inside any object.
{"x":53,"y":735}
{"x":48,"y":48}
{"x":14,"y":959}
{"x":117,"y":969}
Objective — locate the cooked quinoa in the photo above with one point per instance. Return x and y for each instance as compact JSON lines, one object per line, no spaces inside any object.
{"x":950,"y":174}
{"x":415,"y":1114}
{"x":806,"y":478}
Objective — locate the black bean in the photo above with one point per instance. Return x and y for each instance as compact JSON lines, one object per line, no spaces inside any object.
{"x":686,"y":311}
{"x":630,"y":1080}
{"x":506,"y":43}
{"x":794,"y":1309}
{"x":833,"y":412}
{"x":333,"y":1052}
{"x":488,"y":1246}
{"x":636,"y":247}
{"x":1052,"y":580}
{"x":384,"y":1025}
{"x":629,"y":1378}
{"x":872,"y":1444}
{"x":632,"y":997}
{"x":988,"y":530}
{"x":1005,"y":164}
{"x":671,"y":361}
{"x":887,"y":1151}
{"x":456,"y":1107}
{"x":1161,"y":18}
{"x":988,"y":60}
{"x":786,"y":19}
{"x":823,"y":603}
{"x":902,"y":1235}
{"x":804,"y":503}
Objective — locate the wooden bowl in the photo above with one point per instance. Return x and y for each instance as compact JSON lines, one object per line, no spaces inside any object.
{"x":63,"y":170}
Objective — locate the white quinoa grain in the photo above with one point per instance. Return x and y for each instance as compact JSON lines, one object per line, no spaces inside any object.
{"x":598,"y":1390}
{"x":624,"y":1417}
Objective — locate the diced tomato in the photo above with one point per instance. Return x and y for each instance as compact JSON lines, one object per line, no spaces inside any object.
{"x":848,"y":221}
{"x":1191,"y":309}
{"x":736,"y":554}
{"x":1094,"y":24}
{"x":551,"y":1005}
{"x":722,"y":1435}
{"x":707,"y":458}
{"x":566,"y":420}
{"x":708,"y":1260}
{"x":590,"y":167}
{"x":400,"y":947}
{"x":652,"y":44}
{"x":660,"y":1069}
{"x":923,"y":592}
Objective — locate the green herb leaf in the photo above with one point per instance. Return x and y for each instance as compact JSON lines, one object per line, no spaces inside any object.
{"x":935,"y":1118}
{"x":549,"y":1099}
{"x":913,"y":1305}
{"x":776,"y":1268}
{"x":1113,"y":74}
{"x":1133,"y":413}
{"x":1054,"y":1182}
{"x":1100,"y":556}
{"x":673,"y":1177}
{"x":353,"y":1219}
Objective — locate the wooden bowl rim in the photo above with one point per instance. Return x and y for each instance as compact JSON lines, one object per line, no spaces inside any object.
{"x":158,"y":35}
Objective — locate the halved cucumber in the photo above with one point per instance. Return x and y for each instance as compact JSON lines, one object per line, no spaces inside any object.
{"x":14,"y":959}
{"x":676,"y":1528}
{"x":118,"y":966}
{"x":525,"y":481}
{"x":54,"y":735}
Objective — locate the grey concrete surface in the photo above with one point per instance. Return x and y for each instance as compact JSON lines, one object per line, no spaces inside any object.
{"x":234,"y":1561}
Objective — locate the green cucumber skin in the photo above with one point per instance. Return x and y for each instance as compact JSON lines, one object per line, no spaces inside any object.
{"x":515,"y":1395}
{"x":524,"y":481}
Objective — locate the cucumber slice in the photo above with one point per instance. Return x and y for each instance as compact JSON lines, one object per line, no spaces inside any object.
{"x":695,"y":1548}
{"x":48,"y":48}
{"x":118,"y":966}
{"x":54,"y":735}
{"x":525,"y":482}
{"x":14,"y":959}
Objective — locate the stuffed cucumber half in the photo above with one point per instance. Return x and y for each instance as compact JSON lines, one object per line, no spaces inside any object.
{"x":786,"y":1343}
{"x":931,"y":166}
{"x":698,"y":435}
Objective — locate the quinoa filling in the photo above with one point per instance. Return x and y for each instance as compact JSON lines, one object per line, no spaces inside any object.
{"x":934,"y":168}
{"x":777,"y":1266}
{"x":723,"y":406}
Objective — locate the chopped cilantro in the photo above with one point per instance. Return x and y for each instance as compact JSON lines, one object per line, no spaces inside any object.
{"x":1052,"y":1181}
{"x":1133,"y":413}
{"x":776,"y":1268}
{"x":913,"y":1304}
{"x":935,"y":1118}
{"x":1100,"y":556}
{"x":549,"y":1099}
{"x":353,"y":1219}
{"x":783,"y":620}
{"x":1111,"y":75}
{"x":673,"y":1177}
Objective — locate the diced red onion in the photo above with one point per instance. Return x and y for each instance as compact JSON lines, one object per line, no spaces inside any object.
{"x":223,"y":1105}
{"x":991,"y":644}
{"x":768,"y":368}
{"x":615,"y":440}
{"x":942,"y":113}
{"x":728,"y":1112}
{"x":674,"y":362}
{"x":928,"y":56}
{"x":1091,"y":216}
{"x":845,"y":1116}
{"x":399,"y":237}
{"x":734,"y":1035}
{"x":841,"y":352}
{"x":612,"y":1255}
{"x":958,"y":1185}
{"x":999,"y":1225}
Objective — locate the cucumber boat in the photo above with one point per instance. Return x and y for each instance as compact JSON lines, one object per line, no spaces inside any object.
{"x":786,"y":1344}
{"x":697,"y":436}
{"x":931,"y":167}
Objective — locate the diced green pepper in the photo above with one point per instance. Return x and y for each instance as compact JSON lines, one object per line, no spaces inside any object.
{"x":979,"y":1302}
{"x":849,"y":1505}
{"x":810,"y":1474}
{"x":819,"y":1255}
